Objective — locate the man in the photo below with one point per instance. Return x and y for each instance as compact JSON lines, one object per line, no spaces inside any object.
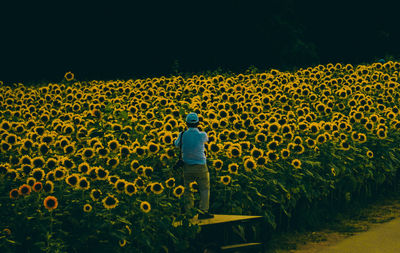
{"x":195,"y":166}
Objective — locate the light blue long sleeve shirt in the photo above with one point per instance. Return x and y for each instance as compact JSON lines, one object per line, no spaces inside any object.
{"x":193,"y":146}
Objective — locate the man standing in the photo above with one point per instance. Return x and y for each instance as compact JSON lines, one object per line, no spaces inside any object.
{"x":195,"y":166}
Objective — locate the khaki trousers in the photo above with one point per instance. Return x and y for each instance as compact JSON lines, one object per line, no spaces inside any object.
{"x":200,"y":174}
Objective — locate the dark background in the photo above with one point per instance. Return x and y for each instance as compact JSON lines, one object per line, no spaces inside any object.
{"x":116,"y":40}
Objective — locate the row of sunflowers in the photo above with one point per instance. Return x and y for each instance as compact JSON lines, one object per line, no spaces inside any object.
{"x":88,"y":164}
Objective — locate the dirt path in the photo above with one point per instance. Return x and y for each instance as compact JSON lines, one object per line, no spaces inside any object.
{"x":375,"y":228}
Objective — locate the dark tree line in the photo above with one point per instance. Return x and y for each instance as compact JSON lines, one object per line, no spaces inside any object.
{"x":154,"y":38}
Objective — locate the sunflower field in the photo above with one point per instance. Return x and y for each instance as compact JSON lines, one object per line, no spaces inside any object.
{"x":87,"y":165}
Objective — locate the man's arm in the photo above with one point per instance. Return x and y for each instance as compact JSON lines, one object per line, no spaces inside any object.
{"x":176,"y":142}
{"x":205,"y":137}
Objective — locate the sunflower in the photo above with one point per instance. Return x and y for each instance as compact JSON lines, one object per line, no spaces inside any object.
{"x":321,"y":138}
{"x":120,"y":185}
{"x":314,"y":127}
{"x":83,"y":184}
{"x":139,"y":183}
{"x":59,"y":173}
{"x":170,"y":183}
{"x":296,"y":163}
{"x":255,"y":152}
{"x":72,"y":180}
{"x":285,"y":153}
{"x":344,"y":145}
{"x":147,"y":171}
{"x":68,"y":163}
{"x":250,"y":164}
{"x":51,"y":163}
{"x":272,"y":156}
{"x":113,"y":162}
{"x":130,"y":189}
{"x":30,"y":181}
{"x":124,"y":151}
{"x":83,"y":167}
{"x":225,"y":180}
{"x":38,"y":174}
{"x":298,"y":149}
{"x":140,"y":151}
{"x":381,"y":133}
{"x":233,"y":168}
{"x":218,"y":164}
{"x":14,"y":193}
{"x":122,"y":243}
{"x":50,"y":203}
{"x":157,"y":188}
{"x":11,"y":139}
{"x":234,"y":151}
{"x":24,"y":190}
{"x":153,"y":148}
{"x":26,"y":144}
{"x":87,"y":208}
{"x":113,"y":145}
{"x":69,"y":76}
{"x":48,"y":187}
{"x":110,"y":202}
{"x":92,"y":173}
{"x":87,"y":153}
{"x":95,"y":194}
{"x":38,"y":162}
{"x":193,"y":186}
{"x":214,"y":147}
{"x":261,"y":138}
{"x":178,"y":191}
{"x":26,"y":160}
{"x":145,"y":206}
{"x":101,"y":173}
{"x":370,"y":154}
{"x":134,"y":165}
{"x":37,"y":187}
{"x":5,"y":125}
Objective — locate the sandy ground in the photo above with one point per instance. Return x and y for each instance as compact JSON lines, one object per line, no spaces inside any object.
{"x":376,"y":228}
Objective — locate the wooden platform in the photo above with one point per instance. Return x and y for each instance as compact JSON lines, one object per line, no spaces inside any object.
{"x":221,"y":219}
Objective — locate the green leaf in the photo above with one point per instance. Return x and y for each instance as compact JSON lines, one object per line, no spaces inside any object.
{"x":123,"y":220}
{"x":270,"y":170}
{"x":283,"y":188}
{"x":11,"y":241}
{"x":239,"y":230}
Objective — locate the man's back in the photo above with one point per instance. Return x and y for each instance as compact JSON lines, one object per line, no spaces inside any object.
{"x":193,"y":146}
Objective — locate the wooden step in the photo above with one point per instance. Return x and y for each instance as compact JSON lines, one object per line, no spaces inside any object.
{"x":222,"y":219}
{"x":242,"y":246}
